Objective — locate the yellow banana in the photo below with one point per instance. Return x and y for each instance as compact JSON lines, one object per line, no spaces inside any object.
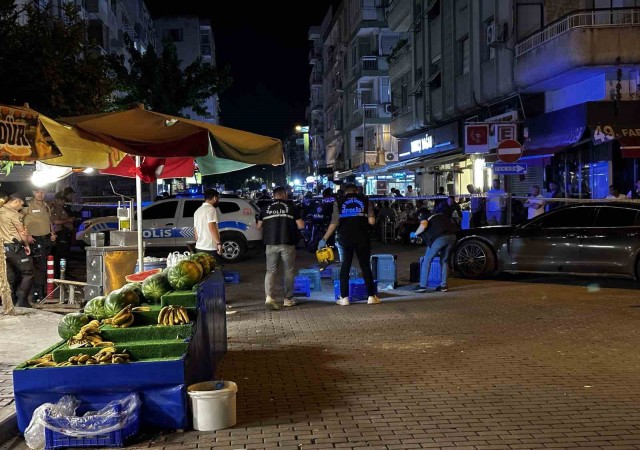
{"x":141,"y":308}
{"x":94,"y":324}
{"x":46,"y":364}
{"x":107,"y":321}
{"x":123,"y":311}
{"x":183,"y":315}
{"x":103,"y":344}
{"x":128,"y":323}
{"x":122,"y":319}
{"x":161,"y":315}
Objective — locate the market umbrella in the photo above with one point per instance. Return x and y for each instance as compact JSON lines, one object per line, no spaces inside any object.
{"x":172,"y":144}
{"x":26,"y":135}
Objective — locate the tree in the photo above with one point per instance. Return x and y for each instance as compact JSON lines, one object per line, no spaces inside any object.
{"x":159,"y":82}
{"x":48,"y":63}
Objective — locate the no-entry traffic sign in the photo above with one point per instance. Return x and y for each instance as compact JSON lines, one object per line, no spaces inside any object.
{"x":509,"y":151}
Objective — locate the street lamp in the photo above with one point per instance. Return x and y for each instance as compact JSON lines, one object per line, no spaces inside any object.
{"x":364,"y":117}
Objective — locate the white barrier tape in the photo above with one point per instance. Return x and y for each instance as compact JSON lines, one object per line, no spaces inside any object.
{"x":469,"y":196}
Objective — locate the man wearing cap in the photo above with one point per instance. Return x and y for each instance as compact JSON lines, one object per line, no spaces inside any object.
{"x":37,"y":221}
{"x":352,"y":215}
{"x":16,"y":247}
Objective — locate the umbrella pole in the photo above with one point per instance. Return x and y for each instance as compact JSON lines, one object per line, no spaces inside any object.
{"x":139,"y":214}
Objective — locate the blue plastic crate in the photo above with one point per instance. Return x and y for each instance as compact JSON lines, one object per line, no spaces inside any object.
{"x":231,"y":276}
{"x":385,"y":268}
{"x":328,"y":271}
{"x":302,"y":286}
{"x":353,"y":273}
{"x":357,"y":289}
{"x":117,"y":438}
{"x":434,"y":277}
{"x":314,"y":276}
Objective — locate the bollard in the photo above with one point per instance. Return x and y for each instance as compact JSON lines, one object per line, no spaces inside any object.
{"x":50,"y":271}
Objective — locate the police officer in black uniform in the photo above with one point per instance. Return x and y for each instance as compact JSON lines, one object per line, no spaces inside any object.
{"x":439,"y":235}
{"x":13,"y":234}
{"x":352,"y":215}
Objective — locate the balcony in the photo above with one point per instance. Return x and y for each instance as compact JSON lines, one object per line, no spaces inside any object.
{"x":399,"y":15}
{"x":314,"y":56}
{"x":400,"y":60}
{"x":370,"y":66}
{"x":315,"y":79}
{"x":576,"y":47}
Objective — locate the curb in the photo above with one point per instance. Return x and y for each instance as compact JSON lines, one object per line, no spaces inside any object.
{"x":8,"y":428}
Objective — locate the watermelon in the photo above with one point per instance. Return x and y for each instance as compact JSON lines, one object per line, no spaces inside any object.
{"x":141,"y":276}
{"x":137,"y":288}
{"x":210,"y":258}
{"x":114,"y":303}
{"x":95,"y":308}
{"x":71,"y":324}
{"x":183,"y":275}
{"x":155,"y":287}
{"x":203,"y":260}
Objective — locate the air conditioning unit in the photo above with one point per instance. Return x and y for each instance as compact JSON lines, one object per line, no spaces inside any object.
{"x":388,"y":108}
{"x":391,"y":156}
{"x":494,"y":34}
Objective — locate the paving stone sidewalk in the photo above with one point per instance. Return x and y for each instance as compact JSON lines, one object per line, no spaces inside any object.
{"x":510,"y":364}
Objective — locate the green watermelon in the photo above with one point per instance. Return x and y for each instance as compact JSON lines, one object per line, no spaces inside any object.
{"x":137,"y":288}
{"x":71,"y":324}
{"x":183,"y":275}
{"x":210,"y":258}
{"x":155,"y":287}
{"x":203,"y":260}
{"x":95,"y":308}
{"x":114,"y":303}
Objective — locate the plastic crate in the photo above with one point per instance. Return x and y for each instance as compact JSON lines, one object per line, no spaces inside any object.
{"x":231,"y":276}
{"x":117,"y":438}
{"x":357,"y":289}
{"x":314,"y":276}
{"x":434,"y":277}
{"x":328,"y":271}
{"x":353,"y":273}
{"x":385,"y":268}
{"x":302,"y":286}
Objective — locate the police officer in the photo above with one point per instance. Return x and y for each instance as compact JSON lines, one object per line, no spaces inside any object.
{"x":280,"y":221}
{"x":37,"y":221}
{"x":438,"y":233}
{"x":352,"y":215}
{"x":16,"y":246}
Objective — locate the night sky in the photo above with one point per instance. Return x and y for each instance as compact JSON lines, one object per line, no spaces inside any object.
{"x":266,"y":45}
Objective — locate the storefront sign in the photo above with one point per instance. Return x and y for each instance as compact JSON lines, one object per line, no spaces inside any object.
{"x":476,"y":138}
{"x":434,"y":141}
{"x":23,"y":137}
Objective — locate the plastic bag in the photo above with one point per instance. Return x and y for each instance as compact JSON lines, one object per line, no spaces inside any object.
{"x":61,"y":417}
{"x":175,"y":257}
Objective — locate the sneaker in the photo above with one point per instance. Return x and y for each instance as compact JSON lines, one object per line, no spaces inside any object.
{"x":289,"y":302}
{"x":271,"y":303}
{"x":444,"y":288}
{"x":373,"y":300}
{"x":344,"y":301}
{"x":420,"y":289}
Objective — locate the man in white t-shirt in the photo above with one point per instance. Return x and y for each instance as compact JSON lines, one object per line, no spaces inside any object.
{"x":205,"y":224}
{"x":410,"y":192}
{"x":535,"y":203}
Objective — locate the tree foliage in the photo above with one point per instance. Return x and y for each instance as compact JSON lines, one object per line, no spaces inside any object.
{"x":46,"y":61}
{"x":160,"y":83}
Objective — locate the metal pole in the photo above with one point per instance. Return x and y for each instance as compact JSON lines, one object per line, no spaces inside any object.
{"x":139,"y":221}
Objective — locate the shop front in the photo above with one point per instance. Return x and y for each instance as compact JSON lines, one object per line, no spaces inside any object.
{"x":586,"y":148}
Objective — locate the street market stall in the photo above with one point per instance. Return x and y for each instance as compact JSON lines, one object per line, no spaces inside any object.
{"x":155,"y":349}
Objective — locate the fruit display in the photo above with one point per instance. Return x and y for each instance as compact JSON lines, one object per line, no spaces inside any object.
{"x":43,"y":361}
{"x":95,"y":308}
{"x":141,"y":276}
{"x":207,"y":261}
{"x":155,"y":286}
{"x":88,"y":336}
{"x":185,"y":274}
{"x":71,"y":324}
{"x":173,"y":315}
{"x":108,"y":355}
{"x":123,"y":319}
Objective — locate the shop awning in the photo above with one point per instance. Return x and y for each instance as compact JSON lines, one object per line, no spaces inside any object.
{"x":599,"y":122}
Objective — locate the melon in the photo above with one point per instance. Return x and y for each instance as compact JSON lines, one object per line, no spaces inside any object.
{"x":154,"y":287}
{"x":141,"y":276}
{"x":71,"y":324}
{"x":185,"y":274}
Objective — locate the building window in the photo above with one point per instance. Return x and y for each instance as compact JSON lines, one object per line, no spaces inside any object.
{"x":435,"y":75}
{"x":433,"y":10}
{"x":173,"y":34}
{"x":205,"y":43}
{"x":463,"y":56}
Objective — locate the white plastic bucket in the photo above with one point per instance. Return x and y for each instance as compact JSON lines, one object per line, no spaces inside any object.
{"x":213,"y":409}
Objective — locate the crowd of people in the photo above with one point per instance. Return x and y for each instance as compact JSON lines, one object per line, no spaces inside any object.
{"x":31,"y":231}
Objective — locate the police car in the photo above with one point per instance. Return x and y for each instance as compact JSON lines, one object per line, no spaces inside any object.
{"x":169,"y":224}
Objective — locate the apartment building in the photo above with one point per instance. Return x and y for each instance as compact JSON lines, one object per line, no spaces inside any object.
{"x":350,"y":79}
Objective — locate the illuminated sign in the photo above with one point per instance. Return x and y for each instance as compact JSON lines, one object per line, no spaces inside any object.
{"x":424,"y":143}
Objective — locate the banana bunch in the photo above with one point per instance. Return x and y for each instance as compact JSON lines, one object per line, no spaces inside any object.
{"x":173,"y":315}
{"x":43,"y":361}
{"x":108,"y":355}
{"x":88,"y":336}
{"x":123,"y":319}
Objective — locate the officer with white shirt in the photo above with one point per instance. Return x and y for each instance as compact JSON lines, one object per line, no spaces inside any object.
{"x":535,"y":203}
{"x":205,"y":224}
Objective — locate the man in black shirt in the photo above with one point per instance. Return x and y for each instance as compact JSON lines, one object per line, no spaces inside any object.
{"x":280,"y":222}
{"x":352,"y":215}
{"x":438,"y":233}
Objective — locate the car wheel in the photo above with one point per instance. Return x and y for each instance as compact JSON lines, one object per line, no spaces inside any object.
{"x":474,"y":259}
{"x":232,"y":249}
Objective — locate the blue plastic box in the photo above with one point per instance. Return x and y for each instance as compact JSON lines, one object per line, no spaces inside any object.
{"x":357,"y":289}
{"x":385,"y":269}
{"x":302,"y":286}
{"x":117,"y":438}
{"x":314,"y":276}
{"x":435,"y":272}
{"x":231,"y":276}
{"x":353,"y":273}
